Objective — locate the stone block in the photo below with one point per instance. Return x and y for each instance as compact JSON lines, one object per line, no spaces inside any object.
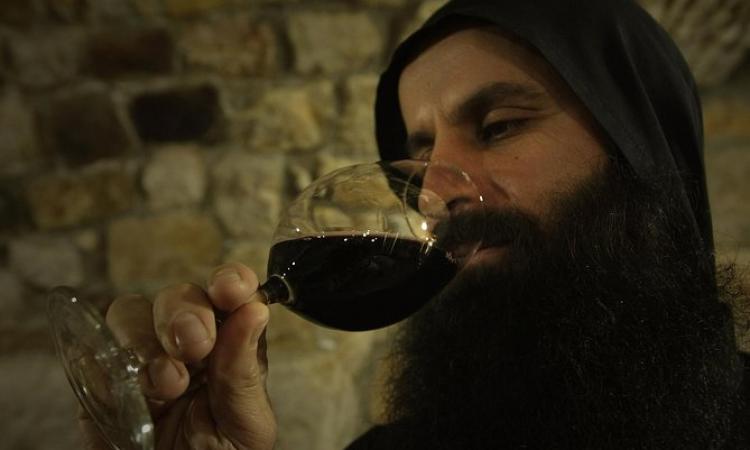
{"x":357,"y":123}
{"x":82,"y":127}
{"x":42,"y":60}
{"x":108,"y":12}
{"x":148,"y":8}
{"x":253,"y":254}
{"x":287,"y":119}
{"x":14,"y":212}
{"x":332,"y":368}
{"x":231,"y":46}
{"x":327,"y":162}
{"x":187,"y":8}
{"x":121,"y":51}
{"x":66,"y":199}
{"x":157,"y":250}
{"x":315,"y":401}
{"x":247,"y":193}
{"x":37,"y":406}
{"x":424,"y":11}
{"x":46,"y":261}
{"x":11,"y":300}
{"x":333,"y":42}
{"x":87,"y":241}
{"x":727,"y":116}
{"x":386,"y":3}
{"x":19,"y":12}
{"x":18,"y":146}
{"x":728,"y":175}
{"x":175,"y":176}
{"x":177,"y":114}
{"x":68,"y":11}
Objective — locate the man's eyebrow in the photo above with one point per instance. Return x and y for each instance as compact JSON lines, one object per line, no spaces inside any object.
{"x":518,"y":95}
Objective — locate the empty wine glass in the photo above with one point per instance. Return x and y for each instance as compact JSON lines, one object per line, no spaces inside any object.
{"x":360,"y":248}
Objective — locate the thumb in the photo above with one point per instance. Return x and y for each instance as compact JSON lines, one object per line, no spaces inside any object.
{"x":237,"y":379}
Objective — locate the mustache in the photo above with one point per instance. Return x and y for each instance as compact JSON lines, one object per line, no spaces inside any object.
{"x":488,"y":228}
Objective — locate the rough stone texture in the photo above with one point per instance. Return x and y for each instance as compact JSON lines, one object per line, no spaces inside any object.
{"x":18,"y":146}
{"x":41,"y":60}
{"x":14,"y":214}
{"x":424,"y":11}
{"x":11,"y":300}
{"x":713,"y":36}
{"x":82,"y":127}
{"x":357,"y":123}
{"x":184,"y":8}
{"x":67,"y":11}
{"x":728,"y":172}
{"x":387,"y":3}
{"x":727,"y":116}
{"x":240,"y":94}
{"x":122,"y":51}
{"x":312,"y":380}
{"x":46,"y":261}
{"x":314,"y":412}
{"x":300,"y":176}
{"x":148,"y":8}
{"x":175,"y":176}
{"x":231,"y":46}
{"x":327,"y":162}
{"x":37,"y":406}
{"x":87,"y":241}
{"x":253,"y":254}
{"x":289,"y":118}
{"x":247,"y":193}
{"x":155,"y":251}
{"x":740,"y":257}
{"x":319,"y":47}
{"x":59,"y":200}
{"x":18,"y":12}
{"x":108,"y":12}
{"x":178,"y":114}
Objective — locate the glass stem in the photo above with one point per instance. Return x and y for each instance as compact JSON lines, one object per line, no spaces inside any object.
{"x":276,"y":290}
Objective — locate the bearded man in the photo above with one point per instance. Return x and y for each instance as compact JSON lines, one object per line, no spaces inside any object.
{"x":592,"y":316}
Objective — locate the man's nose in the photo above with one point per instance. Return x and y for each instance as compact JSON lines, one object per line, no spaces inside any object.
{"x":455,"y":175}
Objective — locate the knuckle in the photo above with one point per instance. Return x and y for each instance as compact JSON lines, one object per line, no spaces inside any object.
{"x":123,"y":303}
{"x":177,"y":291}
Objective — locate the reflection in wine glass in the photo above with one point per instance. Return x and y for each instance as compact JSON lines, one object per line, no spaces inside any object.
{"x":356,"y":250}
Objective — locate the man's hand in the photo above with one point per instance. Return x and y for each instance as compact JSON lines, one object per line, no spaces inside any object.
{"x":178,"y":338}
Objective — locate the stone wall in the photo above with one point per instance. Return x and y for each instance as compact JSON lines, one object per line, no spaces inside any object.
{"x":144,"y":141}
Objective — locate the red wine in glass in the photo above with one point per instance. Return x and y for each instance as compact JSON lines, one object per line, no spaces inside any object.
{"x":358,"y":282}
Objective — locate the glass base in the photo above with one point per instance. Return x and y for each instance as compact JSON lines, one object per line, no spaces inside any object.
{"x":103,"y":375}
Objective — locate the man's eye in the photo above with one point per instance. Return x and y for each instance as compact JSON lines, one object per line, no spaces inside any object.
{"x":500,"y":129}
{"x":422,"y":154}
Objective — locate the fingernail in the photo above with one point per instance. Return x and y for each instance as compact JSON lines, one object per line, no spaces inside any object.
{"x":162,"y":372}
{"x":227,"y":275}
{"x":188,"y":329}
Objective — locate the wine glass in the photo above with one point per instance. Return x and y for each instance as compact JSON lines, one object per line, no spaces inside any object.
{"x":360,"y":248}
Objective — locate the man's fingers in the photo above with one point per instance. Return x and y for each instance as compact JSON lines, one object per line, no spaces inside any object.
{"x":131,"y":322}
{"x":237,"y":376}
{"x":232,"y":285}
{"x":184,"y":322}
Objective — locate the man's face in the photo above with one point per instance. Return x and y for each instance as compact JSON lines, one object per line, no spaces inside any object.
{"x":497,"y":110}
{"x":606,"y":330}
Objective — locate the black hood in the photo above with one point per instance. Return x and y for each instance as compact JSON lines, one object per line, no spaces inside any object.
{"x":621,"y":64}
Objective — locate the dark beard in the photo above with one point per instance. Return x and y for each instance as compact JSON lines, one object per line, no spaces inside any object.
{"x":605,"y":332}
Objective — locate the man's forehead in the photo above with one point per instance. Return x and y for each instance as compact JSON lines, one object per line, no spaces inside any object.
{"x":479,"y":61}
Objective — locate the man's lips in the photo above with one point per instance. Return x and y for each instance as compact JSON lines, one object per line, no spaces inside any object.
{"x":469,"y":254}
